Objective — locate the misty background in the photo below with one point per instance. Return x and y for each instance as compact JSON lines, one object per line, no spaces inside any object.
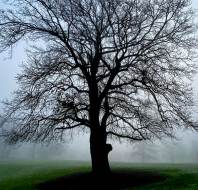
{"x":184,"y":149}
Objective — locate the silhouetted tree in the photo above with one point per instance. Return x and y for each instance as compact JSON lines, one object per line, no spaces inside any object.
{"x":115,"y":68}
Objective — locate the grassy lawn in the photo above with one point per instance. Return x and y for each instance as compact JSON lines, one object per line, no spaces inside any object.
{"x":178,"y":177}
{"x":25,"y":175}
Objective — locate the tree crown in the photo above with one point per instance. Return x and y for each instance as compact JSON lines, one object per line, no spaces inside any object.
{"x":128,"y":60}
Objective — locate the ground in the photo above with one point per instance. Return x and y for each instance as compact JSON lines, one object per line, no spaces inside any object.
{"x":42,"y":175}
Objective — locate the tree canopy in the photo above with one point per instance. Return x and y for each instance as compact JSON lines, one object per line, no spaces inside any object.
{"x":116,"y":68}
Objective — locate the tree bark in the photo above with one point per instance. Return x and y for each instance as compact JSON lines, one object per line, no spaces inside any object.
{"x":99,"y":152}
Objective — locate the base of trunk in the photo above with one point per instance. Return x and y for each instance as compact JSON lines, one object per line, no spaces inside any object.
{"x":100,"y":162}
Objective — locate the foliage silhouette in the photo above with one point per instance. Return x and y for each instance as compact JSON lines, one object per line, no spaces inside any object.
{"x":116,"y":69}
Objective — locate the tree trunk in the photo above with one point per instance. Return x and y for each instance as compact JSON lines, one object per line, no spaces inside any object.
{"x":98,"y":148}
{"x":99,"y":152}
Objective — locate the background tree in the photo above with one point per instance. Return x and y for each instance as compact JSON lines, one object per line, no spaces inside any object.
{"x":194,"y":151}
{"x":115,"y":68}
{"x":145,"y":152}
{"x":4,"y":150}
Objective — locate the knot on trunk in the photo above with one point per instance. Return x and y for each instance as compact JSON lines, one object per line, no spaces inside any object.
{"x":108,"y":148}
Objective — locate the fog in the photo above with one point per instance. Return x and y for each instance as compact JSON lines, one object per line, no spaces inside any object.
{"x":184,"y":149}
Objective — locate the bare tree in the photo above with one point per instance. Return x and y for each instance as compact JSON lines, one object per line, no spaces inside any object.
{"x":115,"y":68}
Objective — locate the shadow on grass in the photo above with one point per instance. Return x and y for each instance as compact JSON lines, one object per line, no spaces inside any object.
{"x":117,"y":180}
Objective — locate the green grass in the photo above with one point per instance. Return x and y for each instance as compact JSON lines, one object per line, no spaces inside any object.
{"x":178,"y":176}
{"x":25,"y":175}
